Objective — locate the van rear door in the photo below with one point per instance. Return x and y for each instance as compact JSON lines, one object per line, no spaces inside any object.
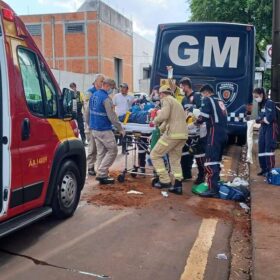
{"x":5,"y":128}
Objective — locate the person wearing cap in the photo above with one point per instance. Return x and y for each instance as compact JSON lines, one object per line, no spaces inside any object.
{"x":102,"y":117}
{"x":92,"y":152}
{"x":172,"y":122}
{"x":122,"y":100}
{"x":190,"y":102}
{"x":214,"y":113}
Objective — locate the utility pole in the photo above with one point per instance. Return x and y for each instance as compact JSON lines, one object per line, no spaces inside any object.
{"x":275,"y":64}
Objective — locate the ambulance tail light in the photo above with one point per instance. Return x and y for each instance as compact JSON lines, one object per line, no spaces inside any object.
{"x":8,"y":14}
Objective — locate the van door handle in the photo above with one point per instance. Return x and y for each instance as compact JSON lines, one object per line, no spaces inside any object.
{"x":25,"y":129}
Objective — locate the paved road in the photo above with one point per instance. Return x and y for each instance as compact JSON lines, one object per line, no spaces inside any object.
{"x":169,"y":238}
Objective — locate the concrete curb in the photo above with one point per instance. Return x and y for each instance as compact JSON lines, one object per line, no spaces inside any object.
{"x":265,"y":218}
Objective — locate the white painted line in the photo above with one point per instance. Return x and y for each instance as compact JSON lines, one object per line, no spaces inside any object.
{"x":197,"y":260}
{"x":44,"y":257}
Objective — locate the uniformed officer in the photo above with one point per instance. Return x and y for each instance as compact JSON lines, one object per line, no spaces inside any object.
{"x":268,"y":131}
{"x":171,"y":120}
{"x":214,"y":113}
{"x":80,"y":117}
{"x":190,"y":102}
{"x":102,"y":117}
{"x":92,"y":152}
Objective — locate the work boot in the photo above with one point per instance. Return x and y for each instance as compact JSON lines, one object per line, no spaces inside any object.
{"x":106,"y":180}
{"x":159,"y":185}
{"x":142,"y":170}
{"x":91,"y":172}
{"x":199,"y":180}
{"x":177,"y":188}
{"x":261,"y":173}
{"x":210,"y":193}
{"x":187,"y":177}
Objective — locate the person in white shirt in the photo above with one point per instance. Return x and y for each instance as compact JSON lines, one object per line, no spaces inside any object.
{"x":122,"y":101}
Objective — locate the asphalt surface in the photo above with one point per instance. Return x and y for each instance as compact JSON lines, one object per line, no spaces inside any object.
{"x":169,"y":238}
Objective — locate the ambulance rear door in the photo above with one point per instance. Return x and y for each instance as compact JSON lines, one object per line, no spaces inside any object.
{"x":5,"y":127}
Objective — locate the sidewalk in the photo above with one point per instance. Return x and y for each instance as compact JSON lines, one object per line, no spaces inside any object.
{"x":265,"y":215}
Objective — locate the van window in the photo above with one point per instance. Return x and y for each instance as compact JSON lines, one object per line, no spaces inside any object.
{"x":31,"y":81}
{"x":50,"y":91}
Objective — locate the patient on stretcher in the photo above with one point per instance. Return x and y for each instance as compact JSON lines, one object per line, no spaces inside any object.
{"x":139,"y":113}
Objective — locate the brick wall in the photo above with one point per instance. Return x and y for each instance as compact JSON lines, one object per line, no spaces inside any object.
{"x":91,"y":51}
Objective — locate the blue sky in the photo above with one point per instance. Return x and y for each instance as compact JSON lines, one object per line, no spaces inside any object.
{"x":145,"y":14}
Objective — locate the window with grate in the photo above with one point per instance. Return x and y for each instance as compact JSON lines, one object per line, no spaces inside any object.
{"x":74,"y":27}
{"x":34,"y":29}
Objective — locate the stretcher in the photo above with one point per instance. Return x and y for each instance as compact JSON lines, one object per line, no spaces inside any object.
{"x":137,"y":137}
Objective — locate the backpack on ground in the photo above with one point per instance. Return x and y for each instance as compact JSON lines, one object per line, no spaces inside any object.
{"x":240,"y":193}
{"x":273,"y":176}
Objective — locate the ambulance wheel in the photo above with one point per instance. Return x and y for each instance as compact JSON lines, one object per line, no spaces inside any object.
{"x":154,"y":181}
{"x":135,"y":169}
{"x":67,"y":190}
{"x":121,"y":178}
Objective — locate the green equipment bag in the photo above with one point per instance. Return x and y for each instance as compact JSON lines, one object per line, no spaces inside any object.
{"x":198,"y":189}
{"x":155,"y":137}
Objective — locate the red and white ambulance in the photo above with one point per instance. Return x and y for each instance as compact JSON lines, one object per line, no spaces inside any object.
{"x":43,"y":163}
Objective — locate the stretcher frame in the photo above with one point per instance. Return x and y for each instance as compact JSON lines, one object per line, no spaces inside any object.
{"x":136,"y":134}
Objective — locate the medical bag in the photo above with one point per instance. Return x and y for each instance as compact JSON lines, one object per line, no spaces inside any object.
{"x":273,"y":176}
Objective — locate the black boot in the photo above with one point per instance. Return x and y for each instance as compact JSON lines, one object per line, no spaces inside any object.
{"x":199,"y":180}
{"x":142,"y":170}
{"x":262,"y":173}
{"x":106,"y":180}
{"x":177,"y":188}
{"x":159,"y":185}
{"x":91,"y":172}
{"x":210,"y":193}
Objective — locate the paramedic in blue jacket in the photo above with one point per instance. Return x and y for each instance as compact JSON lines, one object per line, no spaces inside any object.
{"x":268,"y":131}
{"x":214,"y":113}
{"x":192,"y":101}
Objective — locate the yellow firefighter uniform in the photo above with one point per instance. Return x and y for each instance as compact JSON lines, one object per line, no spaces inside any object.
{"x":172,"y":121}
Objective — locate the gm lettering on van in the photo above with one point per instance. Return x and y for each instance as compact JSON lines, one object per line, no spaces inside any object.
{"x":211,"y":44}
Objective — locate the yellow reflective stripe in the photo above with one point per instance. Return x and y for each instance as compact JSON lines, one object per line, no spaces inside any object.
{"x":178,"y":135}
{"x":160,"y":170}
{"x":163,"y":142}
{"x":178,"y":175}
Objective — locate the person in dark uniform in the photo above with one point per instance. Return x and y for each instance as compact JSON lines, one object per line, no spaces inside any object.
{"x":268,"y":131}
{"x":190,"y":102}
{"x":80,"y":117}
{"x":214,"y":113}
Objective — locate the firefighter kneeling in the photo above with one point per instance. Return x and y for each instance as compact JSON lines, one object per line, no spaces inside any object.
{"x":172,"y":122}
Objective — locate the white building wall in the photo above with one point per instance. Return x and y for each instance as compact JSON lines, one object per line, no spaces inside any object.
{"x":83,"y":81}
{"x":143,"y":51}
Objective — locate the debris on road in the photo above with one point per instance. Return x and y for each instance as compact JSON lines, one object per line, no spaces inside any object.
{"x":135,"y":192}
{"x":164,"y":194}
{"x":244,"y":206}
{"x":221,"y":256}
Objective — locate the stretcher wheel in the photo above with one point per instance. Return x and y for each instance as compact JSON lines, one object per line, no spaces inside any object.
{"x":154,"y":181}
{"x":135,"y":169}
{"x":121,"y":178}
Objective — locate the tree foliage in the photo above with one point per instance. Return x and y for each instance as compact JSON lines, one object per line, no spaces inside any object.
{"x":256,"y":12}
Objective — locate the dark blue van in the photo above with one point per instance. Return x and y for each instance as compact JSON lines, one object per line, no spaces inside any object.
{"x":220,"y":54}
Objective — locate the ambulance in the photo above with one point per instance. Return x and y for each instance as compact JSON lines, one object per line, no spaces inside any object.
{"x":43,"y":162}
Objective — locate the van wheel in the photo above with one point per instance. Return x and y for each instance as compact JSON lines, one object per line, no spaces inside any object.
{"x":67,"y":190}
{"x":231,"y":139}
{"x":241,"y":140}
